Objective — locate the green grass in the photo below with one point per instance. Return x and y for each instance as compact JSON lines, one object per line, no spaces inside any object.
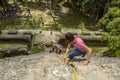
{"x":73,"y":21}
{"x":7,"y":45}
{"x":96,"y":50}
{"x":17,"y":23}
{"x":76,"y":20}
{"x":110,"y":53}
{"x":34,"y":49}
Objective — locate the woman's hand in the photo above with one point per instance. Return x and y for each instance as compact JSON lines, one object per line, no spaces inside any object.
{"x":86,"y":62}
{"x":65,"y":57}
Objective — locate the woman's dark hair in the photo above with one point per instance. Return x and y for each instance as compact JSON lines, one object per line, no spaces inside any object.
{"x":69,"y":36}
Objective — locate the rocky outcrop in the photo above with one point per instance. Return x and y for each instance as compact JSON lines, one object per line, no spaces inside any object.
{"x":47,"y":66}
{"x":18,"y":37}
{"x":13,"y":51}
{"x":30,"y":32}
{"x":18,"y":50}
{"x":46,"y":38}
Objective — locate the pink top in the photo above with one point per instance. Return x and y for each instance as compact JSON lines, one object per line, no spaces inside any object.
{"x":79,"y":43}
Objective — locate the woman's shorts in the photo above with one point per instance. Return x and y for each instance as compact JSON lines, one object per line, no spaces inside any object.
{"x":76,"y":52}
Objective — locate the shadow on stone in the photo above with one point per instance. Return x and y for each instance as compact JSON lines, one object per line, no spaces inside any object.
{"x":13,"y":51}
{"x":78,"y":59}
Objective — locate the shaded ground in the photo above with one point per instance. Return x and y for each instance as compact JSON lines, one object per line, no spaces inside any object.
{"x":47,"y":66}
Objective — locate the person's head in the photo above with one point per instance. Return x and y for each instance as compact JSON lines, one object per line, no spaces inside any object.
{"x":69,"y":37}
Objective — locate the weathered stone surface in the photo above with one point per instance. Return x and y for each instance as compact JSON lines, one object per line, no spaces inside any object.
{"x":17,"y":50}
{"x":20,"y":31}
{"x":99,"y":33}
{"x":47,"y":66}
{"x":29,"y":31}
{"x":21,"y":37}
{"x":4,"y":31}
{"x":13,"y":51}
{"x":98,"y":38}
{"x":46,"y":38}
{"x":31,"y":68}
{"x":86,"y":33}
{"x":12,"y":32}
{"x":4,"y":53}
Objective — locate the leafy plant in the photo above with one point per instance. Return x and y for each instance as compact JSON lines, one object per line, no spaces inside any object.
{"x":114,"y":25}
{"x":113,"y":41}
{"x":34,"y":49}
{"x":108,"y":21}
{"x":117,"y":53}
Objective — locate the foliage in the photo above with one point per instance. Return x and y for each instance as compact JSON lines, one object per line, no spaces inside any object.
{"x":94,"y":8}
{"x":34,"y":49}
{"x":115,"y":3}
{"x":111,"y":23}
{"x":112,"y":53}
{"x":117,"y":53}
{"x":87,"y":5}
{"x":60,"y":26}
{"x":96,"y":50}
{"x":113,"y":45}
{"x":3,"y":3}
{"x":112,"y":13}
{"x":114,"y":25}
{"x":8,"y":44}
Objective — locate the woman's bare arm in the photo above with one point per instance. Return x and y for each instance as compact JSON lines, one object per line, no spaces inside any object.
{"x":88,"y":54}
{"x":68,"y":48}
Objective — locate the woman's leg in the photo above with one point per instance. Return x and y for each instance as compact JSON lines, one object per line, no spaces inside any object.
{"x":76,"y":52}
